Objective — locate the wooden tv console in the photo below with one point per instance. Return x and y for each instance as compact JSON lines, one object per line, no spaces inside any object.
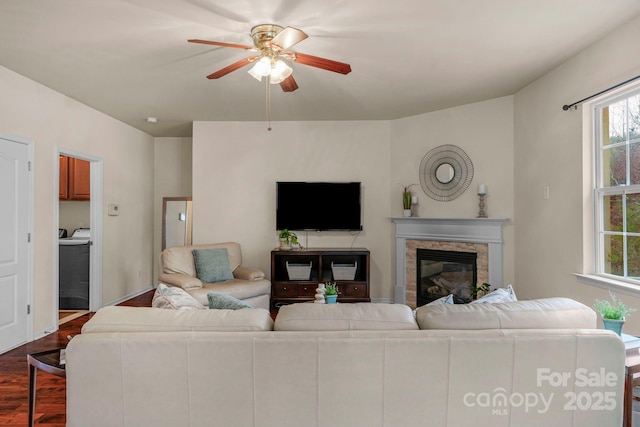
{"x":286,"y":291}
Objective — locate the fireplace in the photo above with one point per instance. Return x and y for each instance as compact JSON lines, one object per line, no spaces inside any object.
{"x":482,"y":236}
{"x":440,"y":273}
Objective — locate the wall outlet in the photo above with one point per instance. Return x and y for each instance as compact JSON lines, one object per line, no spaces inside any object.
{"x":114,"y":210}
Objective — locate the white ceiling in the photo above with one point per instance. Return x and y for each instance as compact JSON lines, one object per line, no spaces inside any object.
{"x":130,"y":58}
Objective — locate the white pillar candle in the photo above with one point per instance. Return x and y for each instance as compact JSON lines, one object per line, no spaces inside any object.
{"x":482,"y":189}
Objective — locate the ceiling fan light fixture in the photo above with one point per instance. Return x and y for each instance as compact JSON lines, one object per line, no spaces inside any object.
{"x":261,"y":69}
{"x":280,"y":72}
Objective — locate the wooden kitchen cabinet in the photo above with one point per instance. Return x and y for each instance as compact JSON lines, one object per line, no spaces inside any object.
{"x":64,"y":178}
{"x":75,"y":179}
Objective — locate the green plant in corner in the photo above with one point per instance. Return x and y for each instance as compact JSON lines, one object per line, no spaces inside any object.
{"x":331,"y":288}
{"x":614,"y":309}
{"x":406,"y":196}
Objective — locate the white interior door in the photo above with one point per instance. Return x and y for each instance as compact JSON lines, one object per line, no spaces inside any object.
{"x":14,"y":243}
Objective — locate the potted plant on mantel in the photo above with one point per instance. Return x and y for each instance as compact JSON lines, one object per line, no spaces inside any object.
{"x":331,"y":292}
{"x":613,"y":313}
{"x":288,"y":239}
{"x":406,"y":200}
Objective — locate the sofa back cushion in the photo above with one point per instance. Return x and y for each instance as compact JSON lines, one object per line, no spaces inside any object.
{"x":179,"y":259}
{"x":343,"y":317}
{"x":549,"y":313}
{"x":150,"y":319}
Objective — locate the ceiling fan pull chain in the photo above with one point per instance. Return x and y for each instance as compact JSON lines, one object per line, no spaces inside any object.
{"x":267,"y":81}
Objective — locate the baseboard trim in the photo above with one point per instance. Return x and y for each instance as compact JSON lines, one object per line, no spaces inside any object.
{"x":133,"y":295}
{"x":382,"y":300}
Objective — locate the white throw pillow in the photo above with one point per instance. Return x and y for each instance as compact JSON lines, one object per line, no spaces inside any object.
{"x":499,"y":295}
{"x":175,"y":298}
{"x":444,"y":300}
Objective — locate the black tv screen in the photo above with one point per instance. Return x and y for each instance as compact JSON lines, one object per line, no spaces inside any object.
{"x":319,"y":206}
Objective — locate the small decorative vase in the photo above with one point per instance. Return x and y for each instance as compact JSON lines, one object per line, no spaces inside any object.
{"x":613,"y":325}
{"x":406,"y":213}
{"x":331,"y":299}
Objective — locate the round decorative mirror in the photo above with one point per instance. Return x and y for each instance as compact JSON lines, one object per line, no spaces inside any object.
{"x":445,"y":172}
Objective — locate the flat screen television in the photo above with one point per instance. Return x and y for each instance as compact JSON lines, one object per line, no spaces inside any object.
{"x":318,"y":206}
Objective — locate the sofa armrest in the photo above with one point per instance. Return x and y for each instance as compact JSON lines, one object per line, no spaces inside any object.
{"x":181,"y":280}
{"x":248,"y":273}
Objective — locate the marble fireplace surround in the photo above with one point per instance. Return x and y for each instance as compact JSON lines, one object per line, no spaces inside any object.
{"x":481,"y":235}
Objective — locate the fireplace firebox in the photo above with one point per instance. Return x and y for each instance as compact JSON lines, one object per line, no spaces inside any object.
{"x":440,"y":273}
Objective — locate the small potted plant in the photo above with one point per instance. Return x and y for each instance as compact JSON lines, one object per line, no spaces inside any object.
{"x":331,"y":292}
{"x":613,"y":313}
{"x":479,"y":291}
{"x":288,"y":239}
{"x":406,"y":200}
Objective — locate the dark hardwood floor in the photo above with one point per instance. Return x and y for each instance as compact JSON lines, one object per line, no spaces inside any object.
{"x":50,"y":389}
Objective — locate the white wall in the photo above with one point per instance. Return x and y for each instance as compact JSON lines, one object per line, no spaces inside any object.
{"x":32,"y":111}
{"x":236,"y":166}
{"x":172,"y":178}
{"x":484,"y":130}
{"x":74,"y":214}
{"x":549,"y":150}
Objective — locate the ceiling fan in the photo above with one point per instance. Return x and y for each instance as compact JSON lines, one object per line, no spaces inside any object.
{"x":271,"y":44}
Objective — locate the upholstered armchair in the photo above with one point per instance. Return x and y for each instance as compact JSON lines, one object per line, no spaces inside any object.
{"x":200,"y":269}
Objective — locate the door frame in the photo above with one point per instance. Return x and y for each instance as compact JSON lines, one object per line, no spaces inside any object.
{"x":96,"y":218}
{"x":30,"y":229}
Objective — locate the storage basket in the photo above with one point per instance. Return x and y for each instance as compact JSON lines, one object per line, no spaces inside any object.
{"x":344,"y":271}
{"x":298,"y":271}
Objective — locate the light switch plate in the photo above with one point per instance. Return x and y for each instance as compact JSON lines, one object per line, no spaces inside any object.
{"x":114,"y":210}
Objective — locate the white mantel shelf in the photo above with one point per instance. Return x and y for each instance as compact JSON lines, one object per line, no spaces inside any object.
{"x":476,"y":230}
{"x":473,"y":230}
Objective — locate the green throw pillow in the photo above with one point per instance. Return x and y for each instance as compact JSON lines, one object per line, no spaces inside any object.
{"x":212,"y":265}
{"x":225,"y":302}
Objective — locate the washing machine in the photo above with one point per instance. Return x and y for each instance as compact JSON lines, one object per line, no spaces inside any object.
{"x":74,"y":265}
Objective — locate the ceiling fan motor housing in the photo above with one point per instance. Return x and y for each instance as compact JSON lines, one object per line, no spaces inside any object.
{"x":263,"y":34}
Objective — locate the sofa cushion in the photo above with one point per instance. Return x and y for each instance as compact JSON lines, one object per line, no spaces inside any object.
{"x":174,"y":298}
{"x":241,"y":289}
{"x":212,"y":265}
{"x":149,"y":319}
{"x":549,"y":313}
{"x":179,"y":259}
{"x":225,"y":302}
{"x":342,"y":317}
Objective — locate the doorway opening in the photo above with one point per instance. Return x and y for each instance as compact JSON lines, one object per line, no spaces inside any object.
{"x":79,"y":243}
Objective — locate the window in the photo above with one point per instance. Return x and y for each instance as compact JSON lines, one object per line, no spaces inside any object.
{"x":617,"y":187}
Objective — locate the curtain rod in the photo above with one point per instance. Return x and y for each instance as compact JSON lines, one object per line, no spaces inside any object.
{"x":566,"y":107}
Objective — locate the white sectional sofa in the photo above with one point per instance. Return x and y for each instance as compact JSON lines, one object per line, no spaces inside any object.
{"x":370,"y":366}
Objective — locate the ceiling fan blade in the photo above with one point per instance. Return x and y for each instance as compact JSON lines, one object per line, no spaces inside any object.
{"x":237,"y":46}
{"x":288,"y":37}
{"x":289,"y":84}
{"x":229,"y":68}
{"x":325,"y":64}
